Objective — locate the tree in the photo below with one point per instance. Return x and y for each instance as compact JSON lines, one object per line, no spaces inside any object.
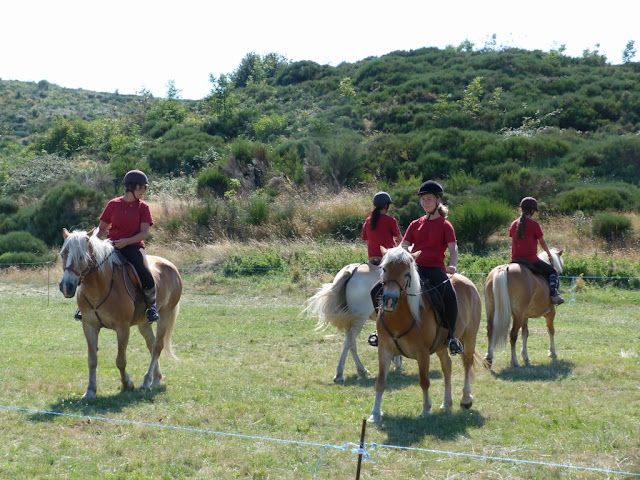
{"x":629,"y":52}
{"x":222,"y":98}
{"x":173,"y":93}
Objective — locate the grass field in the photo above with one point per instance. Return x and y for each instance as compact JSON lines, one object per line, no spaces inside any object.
{"x":252,"y":395}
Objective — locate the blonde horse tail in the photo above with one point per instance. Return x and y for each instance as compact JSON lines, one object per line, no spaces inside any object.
{"x":168,"y":346}
{"x":502,"y":309}
{"x":329,"y":303}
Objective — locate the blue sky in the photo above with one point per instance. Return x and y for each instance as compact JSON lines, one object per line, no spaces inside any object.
{"x":140,"y":44}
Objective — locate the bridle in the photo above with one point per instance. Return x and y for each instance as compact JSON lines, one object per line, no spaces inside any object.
{"x":396,"y":337}
{"x":89,"y":270}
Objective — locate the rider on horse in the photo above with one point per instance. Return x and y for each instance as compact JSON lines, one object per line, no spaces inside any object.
{"x":432,"y":235}
{"x":525,"y":235}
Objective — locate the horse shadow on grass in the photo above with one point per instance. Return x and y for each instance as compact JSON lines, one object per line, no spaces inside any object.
{"x":395,"y":380}
{"x":405,"y":431}
{"x":99,"y":406}
{"x":557,"y":369}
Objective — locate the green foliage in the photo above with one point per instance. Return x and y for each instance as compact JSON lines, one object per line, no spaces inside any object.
{"x":68,"y":205}
{"x":258,"y":209}
{"x":65,"y":137}
{"x":270,"y":126}
{"x":598,"y":198}
{"x":348,"y":227}
{"x":8,"y":206}
{"x":22,"y":241}
{"x":611,"y":227}
{"x":213,"y":179}
{"x":180,"y":146}
{"x":17,"y":258}
{"x":477,"y":219}
{"x":256,"y":262}
{"x":36,"y":174}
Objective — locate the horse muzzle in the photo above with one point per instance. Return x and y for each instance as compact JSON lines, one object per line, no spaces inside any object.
{"x":68,"y":289}
{"x":390,"y":301}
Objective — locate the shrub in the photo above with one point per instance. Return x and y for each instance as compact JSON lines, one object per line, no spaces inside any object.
{"x":611,"y":227}
{"x":257,"y":261}
{"x":346,"y":228}
{"x":258,"y":209}
{"x":478,"y":218}
{"x":22,"y":242}
{"x":213,"y":179}
{"x":70,"y":205}
{"x":598,"y":198}
{"x":8,"y":206}
{"x":24,"y":257}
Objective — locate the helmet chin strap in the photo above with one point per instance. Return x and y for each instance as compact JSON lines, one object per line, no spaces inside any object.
{"x":434,"y":211}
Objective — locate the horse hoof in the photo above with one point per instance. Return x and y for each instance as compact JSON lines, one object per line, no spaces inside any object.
{"x":89,"y":395}
{"x":374,"y":419}
{"x":400,"y":369}
{"x":553,"y":355}
{"x":488,"y":361}
{"x":466,"y":406}
{"x":338,"y":379}
{"x":364,"y":373}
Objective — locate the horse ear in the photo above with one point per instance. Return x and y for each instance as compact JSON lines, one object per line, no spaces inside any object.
{"x":560,"y":252}
{"x":415,"y":255}
{"x":65,"y":233}
{"x":90,"y":232}
{"x":383,"y":250}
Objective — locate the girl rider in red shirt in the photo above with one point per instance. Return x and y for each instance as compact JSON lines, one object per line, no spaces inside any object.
{"x":380,"y":229}
{"x":432,"y":234}
{"x":525,"y":235}
{"x":128,"y":220}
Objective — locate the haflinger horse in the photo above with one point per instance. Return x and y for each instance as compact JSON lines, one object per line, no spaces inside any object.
{"x":94,"y":269}
{"x":346,"y":304}
{"x":513,"y":291}
{"x":407,"y":325}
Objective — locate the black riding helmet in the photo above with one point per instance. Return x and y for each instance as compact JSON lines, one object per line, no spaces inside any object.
{"x":529,"y":203}
{"x":381,"y":199}
{"x":136,"y":177}
{"x":431,"y":187}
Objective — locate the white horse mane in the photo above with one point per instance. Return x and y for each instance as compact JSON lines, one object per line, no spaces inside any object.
{"x":556,"y":260}
{"x":76,"y":246}
{"x":414,"y":289}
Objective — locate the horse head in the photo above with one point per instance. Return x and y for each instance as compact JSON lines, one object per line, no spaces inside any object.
{"x":556,"y":258}
{"x":76,"y":257}
{"x":399,"y":274}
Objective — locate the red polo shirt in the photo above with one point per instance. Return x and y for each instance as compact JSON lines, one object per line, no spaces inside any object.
{"x":386,"y":229}
{"x":125,"y":218}
{"x":431,"y":237}
{"x":526,"y":247}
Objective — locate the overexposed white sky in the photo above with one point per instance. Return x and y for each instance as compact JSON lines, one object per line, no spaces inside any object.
{"x":132,"y":45}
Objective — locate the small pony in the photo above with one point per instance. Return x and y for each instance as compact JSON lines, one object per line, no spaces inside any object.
{"x":407,"y":325}
{"x":96,"y":270}
{"x":346,"y":304}
{"x":513,"y":291}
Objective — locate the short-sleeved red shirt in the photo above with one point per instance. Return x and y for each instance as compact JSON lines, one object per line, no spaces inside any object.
{"x":431,"y":237}
{"x":526,"y":247}
{"x":125,"y":218}
{"x":386,"y":229}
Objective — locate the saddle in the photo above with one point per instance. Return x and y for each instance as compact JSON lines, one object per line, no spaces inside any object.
{"x":437,"y":305}
{"x":530,"y":266}
{"x":131,"y":280}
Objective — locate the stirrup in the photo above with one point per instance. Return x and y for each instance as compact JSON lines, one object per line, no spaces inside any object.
{"x":455,"y":346}
{"x":557,"y":300}
{"x":373,"y":339}
{"x":152,"y":314}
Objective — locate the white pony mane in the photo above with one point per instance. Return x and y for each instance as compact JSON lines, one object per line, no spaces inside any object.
{"x":556,"y":260}
{"x":76,"y":246}
{"x":414,"y":296}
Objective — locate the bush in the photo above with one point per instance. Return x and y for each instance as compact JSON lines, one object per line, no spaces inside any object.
{"x":69,"y":205}
{"x":257,"y":261}
{"x":479,"y":218}
{"x":611,"y":227}
{"x":22,"y":242}
{"x":213,"y":179}
{"x":258,"y":209}
{"x":347,"y":228}
{"x":8,"y":206}
{"x":25,"y":257}
{"x":598,"y":198}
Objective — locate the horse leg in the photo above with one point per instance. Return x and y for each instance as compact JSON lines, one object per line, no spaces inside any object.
{"x":91,"y":334}
{"x":525,"y":338}
{"x":397,"y":362}
{"x":149,"y":379}
{"x":549,"y":317}
{"x":490,"y":311}
{"x":355,"y":330}
{"x":122,"y":335}
{"x":513,"y":338}
{"x":445,"y":365}
{"x":384,"y":361}
{"x":346,"y":348}
{"x":147,"y":332}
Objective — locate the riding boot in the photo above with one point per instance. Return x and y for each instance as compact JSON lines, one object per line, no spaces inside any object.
{"x":78,"y":315}
{"x":553,"y":288}
{"x":152,"y":310}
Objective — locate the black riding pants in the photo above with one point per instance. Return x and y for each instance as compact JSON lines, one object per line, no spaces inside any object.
{"x":550,"y":273}
{"x":136,"y":256}
{"x":436,"y":283}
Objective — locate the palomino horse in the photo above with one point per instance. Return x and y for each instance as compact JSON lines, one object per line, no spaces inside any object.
{"x":512,"y":290}
{"x":105,"y":302}
{"x":346,"y":304}
{"x":407,"y":325}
